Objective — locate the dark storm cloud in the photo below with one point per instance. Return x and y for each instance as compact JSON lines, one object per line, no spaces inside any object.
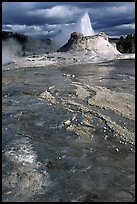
{"x":114,"y":18}
{"x":33,"y":13}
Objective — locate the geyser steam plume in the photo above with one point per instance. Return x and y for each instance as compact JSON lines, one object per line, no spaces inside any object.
{"x":10,"y":50}
{"x":82,"y":25}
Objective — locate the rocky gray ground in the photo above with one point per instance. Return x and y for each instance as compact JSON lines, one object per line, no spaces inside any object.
{"x":68,"y":133}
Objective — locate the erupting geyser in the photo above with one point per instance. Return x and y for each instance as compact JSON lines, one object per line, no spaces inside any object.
{"x":82,"y":25}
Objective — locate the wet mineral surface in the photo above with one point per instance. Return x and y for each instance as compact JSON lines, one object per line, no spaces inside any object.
{"x":68,"y":133}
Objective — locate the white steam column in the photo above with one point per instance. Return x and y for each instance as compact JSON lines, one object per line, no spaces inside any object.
{"x":83,"y":25}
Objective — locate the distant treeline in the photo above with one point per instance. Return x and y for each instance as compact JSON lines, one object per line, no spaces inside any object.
{"x":24,"y":40}
{"x":127,"y":44}
{"x":19,"y":37}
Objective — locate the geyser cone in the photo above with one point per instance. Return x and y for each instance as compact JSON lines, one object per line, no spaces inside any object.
{"x":83,"y":25}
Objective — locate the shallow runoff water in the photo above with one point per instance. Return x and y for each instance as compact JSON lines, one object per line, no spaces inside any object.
{"x":68,"y":133}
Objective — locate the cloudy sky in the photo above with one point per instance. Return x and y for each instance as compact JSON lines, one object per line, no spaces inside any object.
{"x":45,"y":19}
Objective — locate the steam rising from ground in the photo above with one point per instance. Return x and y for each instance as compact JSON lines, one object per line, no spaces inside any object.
{"x":82,"y":25}
{"x":10,"y":50}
